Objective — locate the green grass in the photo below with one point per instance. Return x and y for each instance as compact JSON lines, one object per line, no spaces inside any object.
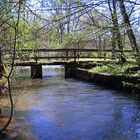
{"x":115,"y":69}
{"x":101,"y":69}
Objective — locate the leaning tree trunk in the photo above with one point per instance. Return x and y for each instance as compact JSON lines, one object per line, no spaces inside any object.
{"x":130,"y":32}
{"x":116,"y":31}
{"x":113,"y":44}
{"x":1,"y":69}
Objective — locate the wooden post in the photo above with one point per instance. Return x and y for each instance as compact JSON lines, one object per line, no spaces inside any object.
{"x":70,"y":69}
{"x":74,"y":55}
{"x":67,"y":54}
{"x":36,"y":71}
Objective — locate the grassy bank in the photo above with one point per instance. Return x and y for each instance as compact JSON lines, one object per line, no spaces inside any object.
{"x":130,"y":70}
{"x":117,"y":69}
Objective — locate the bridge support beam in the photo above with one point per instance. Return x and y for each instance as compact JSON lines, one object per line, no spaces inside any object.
{"x":36,"y":71}
{"x":70,"y":70}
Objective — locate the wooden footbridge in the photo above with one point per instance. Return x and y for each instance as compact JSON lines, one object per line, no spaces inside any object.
{"x":38,"y":57}
{"x":27,"y":55}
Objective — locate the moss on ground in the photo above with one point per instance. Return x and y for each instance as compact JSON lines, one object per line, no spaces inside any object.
{"x":128,"y":69}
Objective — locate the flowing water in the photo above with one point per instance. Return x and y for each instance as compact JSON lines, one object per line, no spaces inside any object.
{"x":55,"y":108}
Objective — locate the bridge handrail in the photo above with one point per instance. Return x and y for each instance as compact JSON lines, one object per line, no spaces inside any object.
{"x":72,"y":50}
{"x":72,"y":53}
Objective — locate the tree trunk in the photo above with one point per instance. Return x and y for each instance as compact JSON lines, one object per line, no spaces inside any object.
{"x":116,"y":30}
{"x":1,"y":69}
{"x":113,"y":44}
{"x":129,"y":30}
{"x":1,"y":64}
{"x":99,"y":45}
{"x":69,"y":17}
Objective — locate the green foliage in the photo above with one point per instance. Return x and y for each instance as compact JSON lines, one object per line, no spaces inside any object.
{"x":54,"y":39}
{"x":121,"y":69}
{"x":27,"y":33}
{"x":114,"y":69}
{"x":76,"y":40}
{"x":101,"y":69}
{"x":70,"y":40}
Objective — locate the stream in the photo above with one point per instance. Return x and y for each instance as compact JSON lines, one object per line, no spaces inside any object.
{"x":55,"y":108}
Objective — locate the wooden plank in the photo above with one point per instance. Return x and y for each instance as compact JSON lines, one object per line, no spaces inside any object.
{"x":63,"y":57}
{"x":72,"y":50}
{"x":33,"y":63}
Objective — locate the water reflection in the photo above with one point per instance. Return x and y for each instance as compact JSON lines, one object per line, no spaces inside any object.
{"x":55,"y":108}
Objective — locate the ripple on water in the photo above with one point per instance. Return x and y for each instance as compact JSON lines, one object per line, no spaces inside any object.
{"x":68,"y":109}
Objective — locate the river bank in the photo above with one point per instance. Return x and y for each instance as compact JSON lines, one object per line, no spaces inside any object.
{"x":121,"y":79}
{"x":58,"y":108}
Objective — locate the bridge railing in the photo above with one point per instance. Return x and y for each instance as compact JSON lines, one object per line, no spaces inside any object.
{"x":70,"y":53}
{"x":38,"y":54}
